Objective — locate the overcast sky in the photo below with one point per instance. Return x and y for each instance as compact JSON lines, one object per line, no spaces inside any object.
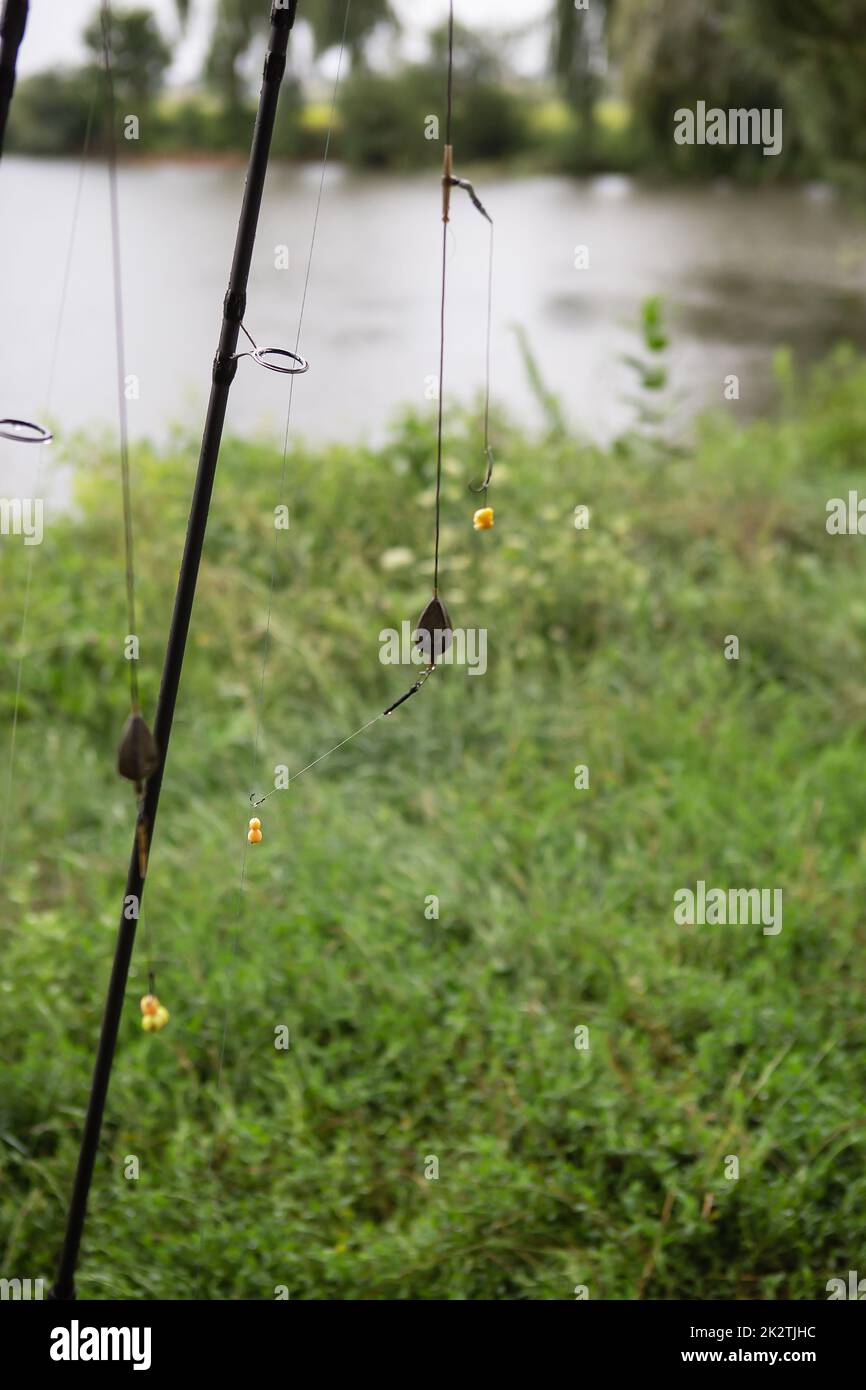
{"x":54,"y":27}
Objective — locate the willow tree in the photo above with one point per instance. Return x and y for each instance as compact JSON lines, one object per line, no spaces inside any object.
{"x":816,"y":50}
{"x":237,"y":21}
{"x":327,"y":18}
{"x":577,"y":55}
{"x":678,"y":52}
{"x":140,"y":54}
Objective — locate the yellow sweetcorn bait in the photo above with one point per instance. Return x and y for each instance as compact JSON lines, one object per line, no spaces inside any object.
{"x":154,"y":1016}
{"x":483,"y":519}
{"x":255,"y":831}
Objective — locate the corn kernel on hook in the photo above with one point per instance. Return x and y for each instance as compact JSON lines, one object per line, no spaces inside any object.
{"x":154,"y":1014}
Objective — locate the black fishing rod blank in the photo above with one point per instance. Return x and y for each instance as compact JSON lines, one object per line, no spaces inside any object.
{"x":224,"y":367}
{"x":13,"y":22}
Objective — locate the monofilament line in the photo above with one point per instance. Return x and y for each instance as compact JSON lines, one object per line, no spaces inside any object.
{"x":28,"y":581}
{"x":283,"y":470}
{"x":438,"y":504}
{"x":271,"y":589}
{"x":295,"y":775}
{"x":487,"y":368}
{"x":105,"y":15}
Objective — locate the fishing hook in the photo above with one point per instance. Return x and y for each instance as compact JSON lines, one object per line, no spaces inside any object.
{"x":488,"y":454}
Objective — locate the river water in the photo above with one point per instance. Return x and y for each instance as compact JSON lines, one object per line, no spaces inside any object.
{"x":742,"y":271}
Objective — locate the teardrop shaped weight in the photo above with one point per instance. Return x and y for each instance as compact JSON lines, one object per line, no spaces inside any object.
{"x":433,"y":633}
{"x":138,"y":755}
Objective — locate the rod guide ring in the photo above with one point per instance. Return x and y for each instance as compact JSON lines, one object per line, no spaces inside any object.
{"x":261,"y":354}
{"x":301,"y":364}
{"x":24,"y":432}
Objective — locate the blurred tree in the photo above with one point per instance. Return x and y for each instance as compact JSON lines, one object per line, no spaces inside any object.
{"x":676,"y":52}
{"x":51,"y":111}
{"x":476,"y":59}
{"x":140,"y":55}
{"x":236,"y":21}
{"x":576,"y":55}
{"x":816,"y":50}
{"x":327,"y":18}
{"x":384,"y":117}
{"x":490,"y":119}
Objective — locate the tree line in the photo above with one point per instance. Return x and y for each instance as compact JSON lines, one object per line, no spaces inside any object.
{"x":617,"y":72}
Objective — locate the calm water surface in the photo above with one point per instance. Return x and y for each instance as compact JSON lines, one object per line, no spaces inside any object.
{"x":743,"y":271}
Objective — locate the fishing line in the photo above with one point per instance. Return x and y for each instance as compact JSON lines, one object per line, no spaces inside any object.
{"x":488,"y":452}
{"x":446,"y":198}
{"x":433,"y":631}
{"x":266,"y":648}
{"x":284,"y":467}
{"x":138,"y":755}
{"x":479,"y":206}
{"x":259,"y":801}
{"x":254,"y":800}
{"x":105,"y":16}
{"x":434,"y":624}
{"x":28,"y":581}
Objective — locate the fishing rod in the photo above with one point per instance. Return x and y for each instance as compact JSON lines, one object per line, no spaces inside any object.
{"x":136,"y":751}
{"x":12,"y":25}
{"x":13,"y":22}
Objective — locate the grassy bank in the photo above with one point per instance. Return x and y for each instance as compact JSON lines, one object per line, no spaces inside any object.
{"x":414,"y":1037}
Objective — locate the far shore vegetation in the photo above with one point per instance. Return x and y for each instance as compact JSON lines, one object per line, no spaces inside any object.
{"x":616,"y":74}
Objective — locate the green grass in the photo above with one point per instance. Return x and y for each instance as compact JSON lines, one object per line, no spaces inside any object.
{"x":415,"y":1037}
